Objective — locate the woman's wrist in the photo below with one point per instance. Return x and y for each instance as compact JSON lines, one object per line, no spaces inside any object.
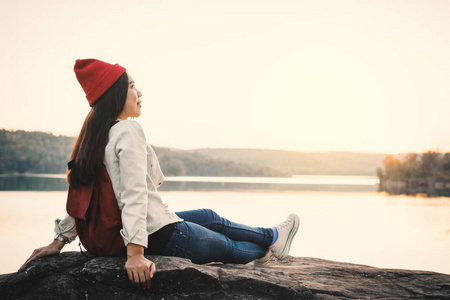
{"x":62,"y":238}
{"x":134,"y":249}
{"x":57,"y":244}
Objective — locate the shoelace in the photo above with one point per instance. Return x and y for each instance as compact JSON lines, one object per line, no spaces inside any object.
{"x":284,"y":224}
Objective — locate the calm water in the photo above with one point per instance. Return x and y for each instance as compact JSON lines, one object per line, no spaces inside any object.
{"x":47,"y":182}
{"x":352,"y":226}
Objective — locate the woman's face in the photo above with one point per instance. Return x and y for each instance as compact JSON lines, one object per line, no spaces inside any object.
{"x":132,"y":107}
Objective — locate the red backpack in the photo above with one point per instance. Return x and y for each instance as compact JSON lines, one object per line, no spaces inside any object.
{"x":97,"y":216}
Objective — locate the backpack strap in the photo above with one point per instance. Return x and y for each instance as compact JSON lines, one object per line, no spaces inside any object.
{"x":78,"y":200}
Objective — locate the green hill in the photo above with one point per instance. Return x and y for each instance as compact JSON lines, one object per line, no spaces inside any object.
{"x":34,"y":152}
{"x":40,"y":152}
{"x":186,"y":163}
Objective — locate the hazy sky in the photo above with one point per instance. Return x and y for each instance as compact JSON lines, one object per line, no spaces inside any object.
{"x":371,"y":76}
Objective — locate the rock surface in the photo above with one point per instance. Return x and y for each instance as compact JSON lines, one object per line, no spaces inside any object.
{"x":71,"y":275}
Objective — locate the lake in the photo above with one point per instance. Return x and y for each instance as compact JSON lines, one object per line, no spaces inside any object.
{"x":57,"y":182}
{"x":342,"y":218}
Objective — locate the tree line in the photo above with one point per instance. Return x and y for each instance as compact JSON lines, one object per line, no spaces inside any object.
{"x":34,"y":152}
{"x":414,"y":173}
{"x":183,"y":163}
{"x":40,"y":152}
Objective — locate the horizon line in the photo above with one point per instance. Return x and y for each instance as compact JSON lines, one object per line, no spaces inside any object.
{"x":436,"y":149}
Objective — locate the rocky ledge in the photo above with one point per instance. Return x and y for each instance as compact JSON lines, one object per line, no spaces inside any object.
{"x":71,"y":275}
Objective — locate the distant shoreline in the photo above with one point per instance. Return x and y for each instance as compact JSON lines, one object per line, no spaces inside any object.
{"x":41,"y":182}
{"x":44,"y":153}
{"x":295,"y":179}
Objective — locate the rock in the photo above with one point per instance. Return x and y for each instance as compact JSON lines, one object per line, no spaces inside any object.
{"x":71,"y":275}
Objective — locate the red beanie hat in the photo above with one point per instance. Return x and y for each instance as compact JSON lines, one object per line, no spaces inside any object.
{"x":96,"y":77}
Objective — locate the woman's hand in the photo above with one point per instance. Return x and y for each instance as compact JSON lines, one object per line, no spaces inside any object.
{"x":51,"y":249}
{"x":140,"y":270}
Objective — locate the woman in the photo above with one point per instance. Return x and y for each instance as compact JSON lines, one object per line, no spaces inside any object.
{"x":109,"y":138}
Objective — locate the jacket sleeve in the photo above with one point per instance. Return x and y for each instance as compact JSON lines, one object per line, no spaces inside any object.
{"x":66,"y":227}
{"x":131,"y":150}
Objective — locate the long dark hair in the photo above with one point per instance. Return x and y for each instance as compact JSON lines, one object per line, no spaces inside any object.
{"x":89,"y":150}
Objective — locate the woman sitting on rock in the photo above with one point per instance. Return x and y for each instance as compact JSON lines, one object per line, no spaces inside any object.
{"x":109,"y":138}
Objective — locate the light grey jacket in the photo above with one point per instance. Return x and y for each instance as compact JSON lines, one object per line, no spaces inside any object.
{"x":135,"y":174}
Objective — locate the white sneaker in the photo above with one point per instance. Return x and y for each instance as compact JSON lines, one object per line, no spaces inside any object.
{"x":263,"y":260}
{"x":286,"y":233}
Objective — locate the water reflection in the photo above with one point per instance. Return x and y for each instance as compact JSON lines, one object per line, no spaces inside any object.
{"x":219,"y":186}
{"x":32,"y":183}
{"x":58,"y":183}
{"x":359,"y":227}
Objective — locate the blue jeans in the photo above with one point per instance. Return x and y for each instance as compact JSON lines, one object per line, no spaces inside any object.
{"x":205,"y":237}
